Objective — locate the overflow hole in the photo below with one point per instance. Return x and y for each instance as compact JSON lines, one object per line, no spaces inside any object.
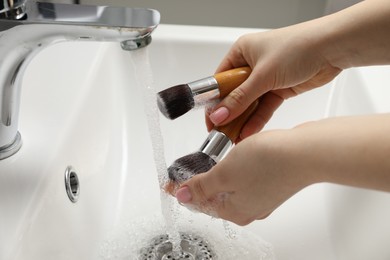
{"x":72,"y":184}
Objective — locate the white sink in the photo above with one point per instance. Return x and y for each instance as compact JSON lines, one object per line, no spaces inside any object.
{"x":82,"y":106}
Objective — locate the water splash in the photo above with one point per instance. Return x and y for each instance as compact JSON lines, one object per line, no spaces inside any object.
{"x":145,"y":81}
{"x":128,"y":240}
{"x":144,"y":76}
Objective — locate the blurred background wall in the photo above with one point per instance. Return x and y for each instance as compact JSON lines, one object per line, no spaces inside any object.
{"x":244,"y":13}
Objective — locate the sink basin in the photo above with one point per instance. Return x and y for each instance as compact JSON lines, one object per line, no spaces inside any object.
{"x":82,"y":106}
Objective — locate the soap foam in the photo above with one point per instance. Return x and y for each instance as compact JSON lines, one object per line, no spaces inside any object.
{"x":232,"y":244}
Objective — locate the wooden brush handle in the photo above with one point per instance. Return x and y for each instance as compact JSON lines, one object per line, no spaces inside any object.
{"x":233,"y":129}
{"x":231,"y":79}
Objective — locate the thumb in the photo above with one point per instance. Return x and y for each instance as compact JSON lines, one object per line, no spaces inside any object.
{"x":200,"y":191}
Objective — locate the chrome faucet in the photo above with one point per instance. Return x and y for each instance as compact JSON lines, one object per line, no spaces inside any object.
{"x":28,"y":26}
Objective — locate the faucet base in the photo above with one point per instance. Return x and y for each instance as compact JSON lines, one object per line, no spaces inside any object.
{"x":7,"y":151}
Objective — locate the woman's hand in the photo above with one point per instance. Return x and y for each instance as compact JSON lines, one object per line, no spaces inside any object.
{"x":291,"y":60}
{"x":266,"y":169}
{"x":263,"y":171}
{"x":284,"y":62}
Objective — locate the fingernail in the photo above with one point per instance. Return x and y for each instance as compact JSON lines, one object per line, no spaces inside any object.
{"x":183,"y":195}
{"x":219,"y":115}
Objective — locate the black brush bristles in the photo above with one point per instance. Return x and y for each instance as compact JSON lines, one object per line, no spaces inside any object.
{"x":187,"y":166}
{"x":175,"y":101}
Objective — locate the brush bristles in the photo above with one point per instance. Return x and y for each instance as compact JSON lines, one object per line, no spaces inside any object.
{"x":175,"y":101}
{"x":187,"y":166}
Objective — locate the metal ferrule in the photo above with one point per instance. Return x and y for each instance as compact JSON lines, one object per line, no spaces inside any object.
{"x":216,"y":145}
{"x":203,"y":85}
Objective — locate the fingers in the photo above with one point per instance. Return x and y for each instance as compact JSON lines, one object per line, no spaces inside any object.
{"x":208,"y":122}
{"x":206,"y":194}
{"x":219,"y":193}
{"x":202,"y":195}
{"x":207,"y":191}
{"x":237,"y":101}
{"x":235,"y":57}
{"x":200,"y":189}
{"x":231,"y":210}
{"x":268,"y":104}
{"x":234,"y":189}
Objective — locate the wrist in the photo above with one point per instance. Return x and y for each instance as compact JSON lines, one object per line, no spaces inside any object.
{"x":283,"y":151}
{"x":357,"y":36}
{"x":346,"y":150}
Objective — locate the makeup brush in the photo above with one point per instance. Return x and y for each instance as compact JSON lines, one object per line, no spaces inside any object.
{"x":214,"y":148}
{"x":178,"y":100}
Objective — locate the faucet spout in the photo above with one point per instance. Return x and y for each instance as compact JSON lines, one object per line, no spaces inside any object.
{"x":26,"y":27}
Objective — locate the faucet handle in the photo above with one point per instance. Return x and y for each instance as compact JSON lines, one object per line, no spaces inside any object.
{"x":12,"y":9}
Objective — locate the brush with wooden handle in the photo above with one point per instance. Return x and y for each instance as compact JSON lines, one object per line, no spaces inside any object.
{"x":214,"y":148}
{"x":178,"y":100}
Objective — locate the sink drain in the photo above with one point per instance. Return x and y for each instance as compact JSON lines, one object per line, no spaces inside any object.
{"x":192,"y":248}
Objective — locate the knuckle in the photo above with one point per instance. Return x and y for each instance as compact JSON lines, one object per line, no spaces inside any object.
{"x":238,"y":97}
{"x":242,"y":39}
{"x":221,"y":177}
{"x":199,"y":189}
{"x":243,"y":221}
{"x":264,"y":215}
{"x":245,"y":37}
{"x":259,"y":120}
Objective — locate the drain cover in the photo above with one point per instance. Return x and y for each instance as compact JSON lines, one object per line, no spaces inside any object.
{"x":192,"y":248}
